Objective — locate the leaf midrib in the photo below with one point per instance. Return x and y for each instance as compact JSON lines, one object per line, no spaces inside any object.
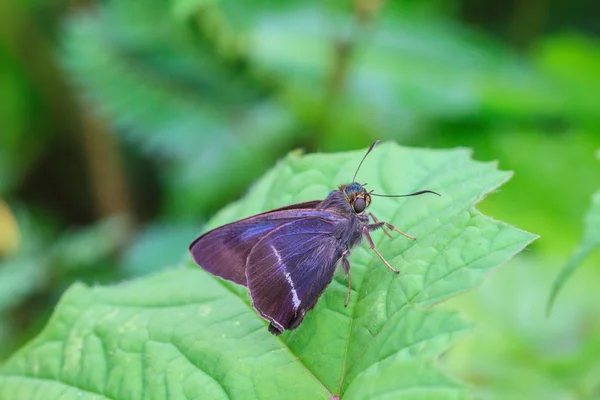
{"x":278,"y":338}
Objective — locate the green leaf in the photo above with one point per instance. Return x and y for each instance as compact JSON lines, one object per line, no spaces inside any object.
{"x":185,"y":334}
{"x":589,"y":242}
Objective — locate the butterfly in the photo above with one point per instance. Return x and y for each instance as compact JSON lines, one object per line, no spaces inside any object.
{"x":287,"y":257}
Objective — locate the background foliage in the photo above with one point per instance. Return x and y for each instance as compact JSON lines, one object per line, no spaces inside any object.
{"x":125,"y":125}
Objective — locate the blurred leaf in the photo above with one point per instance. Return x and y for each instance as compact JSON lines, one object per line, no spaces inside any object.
{"x":40,"y":266}
{"x":220,"y":89}
{"x":19,"y":277}
{"x":157,"y":246}
{"x":572,"y":63}
{"x":25,"y":271}
{"x":46,"y":263}
{"x":184,"y":91}
{"x":200,"y":335}
{"x":184,"y":9}
{"x":9,"y":232}
{"x":404,"y":72}
{"x":516,"y":352}
{"x":84,"y":248}
{"x":589,"y":242}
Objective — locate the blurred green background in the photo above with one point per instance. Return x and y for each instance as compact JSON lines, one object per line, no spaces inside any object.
{"x":124,"y":125}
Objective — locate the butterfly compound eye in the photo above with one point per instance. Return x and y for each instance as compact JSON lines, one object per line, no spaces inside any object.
{"x":359,"y":205}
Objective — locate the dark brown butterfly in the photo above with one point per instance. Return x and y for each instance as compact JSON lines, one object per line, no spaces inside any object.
{"x":287,"y":257}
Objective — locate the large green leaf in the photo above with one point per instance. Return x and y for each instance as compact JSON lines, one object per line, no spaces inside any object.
{"x":184,"y":334}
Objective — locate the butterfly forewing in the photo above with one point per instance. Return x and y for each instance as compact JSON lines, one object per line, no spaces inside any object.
{"x":223,"y":251}
{"x":289,"y":268}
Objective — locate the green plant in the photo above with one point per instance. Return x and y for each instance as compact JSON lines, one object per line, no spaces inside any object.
{"x":183,"y":333}
{"x":589,"y":242}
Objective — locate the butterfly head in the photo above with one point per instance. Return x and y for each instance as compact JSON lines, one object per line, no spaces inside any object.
{"x":356,"y":196}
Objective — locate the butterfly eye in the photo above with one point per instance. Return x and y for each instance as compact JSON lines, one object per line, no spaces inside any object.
{"x":359,"y":205}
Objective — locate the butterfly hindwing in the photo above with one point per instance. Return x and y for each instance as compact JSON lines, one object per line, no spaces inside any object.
{"x":289,"y":268}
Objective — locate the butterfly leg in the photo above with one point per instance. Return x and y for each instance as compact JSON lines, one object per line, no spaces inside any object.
{"x":367,"y":236}
{"x":379,"y":224}
{"x":389,"y":226}
{"x":346,"y":265}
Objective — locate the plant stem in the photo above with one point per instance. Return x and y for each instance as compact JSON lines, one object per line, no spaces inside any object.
{"x":365,"y":13}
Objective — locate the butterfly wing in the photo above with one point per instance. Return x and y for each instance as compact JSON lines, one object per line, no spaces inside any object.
{"x":290,"y":267}
{"x":224,"y":250}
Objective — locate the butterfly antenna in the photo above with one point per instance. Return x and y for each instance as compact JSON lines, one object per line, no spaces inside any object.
{"x":363,"y":159}
{"x":405,"y":195}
